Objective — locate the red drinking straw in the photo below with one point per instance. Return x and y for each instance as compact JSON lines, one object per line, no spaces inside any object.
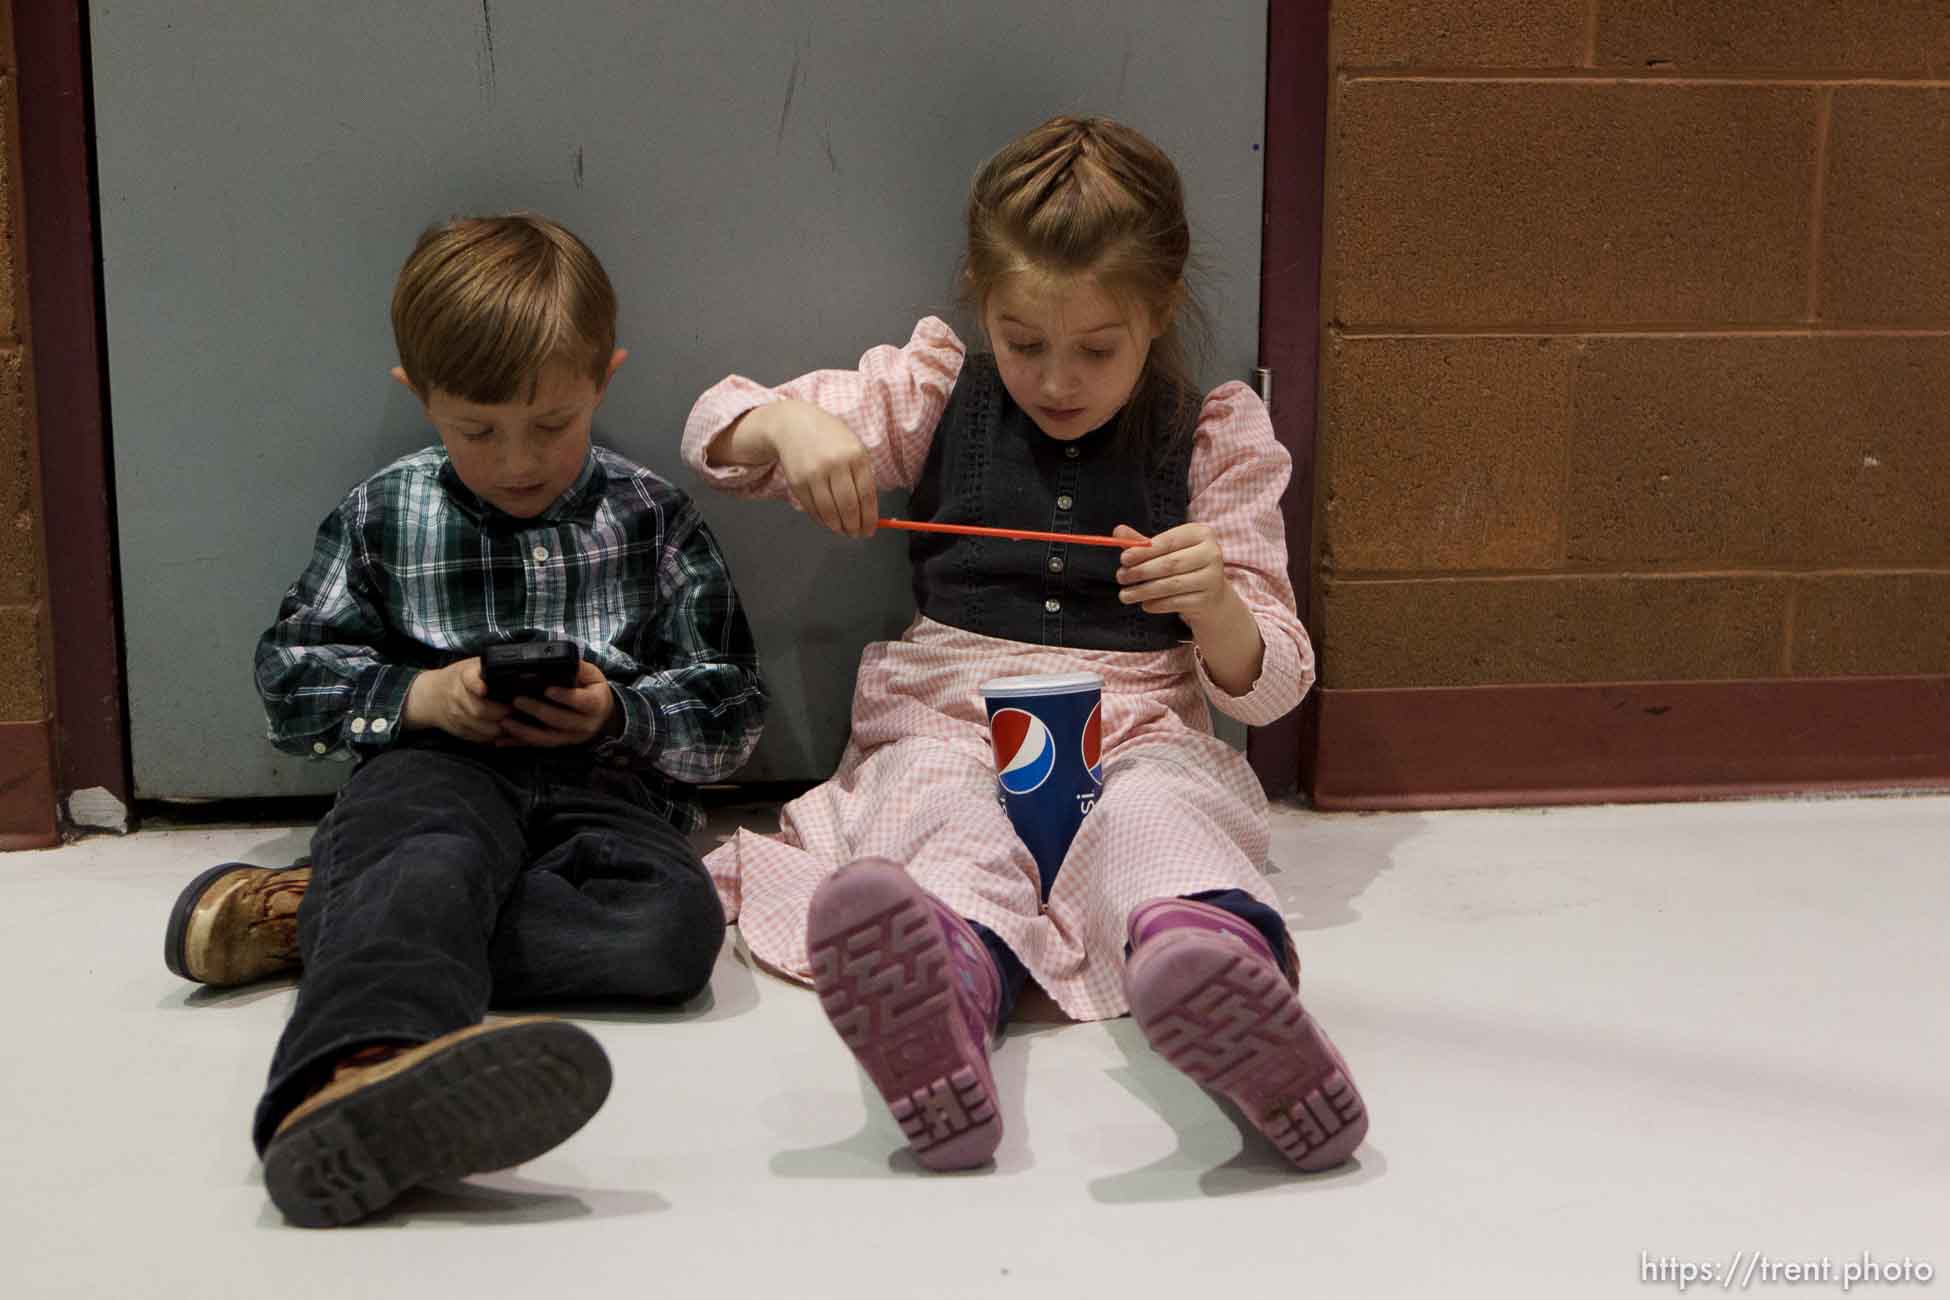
{"x":1012,"y":534}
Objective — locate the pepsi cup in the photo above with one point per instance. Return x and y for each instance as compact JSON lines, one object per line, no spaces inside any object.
{"x":1047,"y":733}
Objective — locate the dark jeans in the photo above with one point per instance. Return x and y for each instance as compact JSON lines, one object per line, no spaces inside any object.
{"x":1236,"y":901}
{"x":448,"y":877}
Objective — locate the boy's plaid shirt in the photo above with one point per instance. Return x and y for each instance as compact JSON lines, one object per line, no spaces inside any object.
{"x":413,"y":571}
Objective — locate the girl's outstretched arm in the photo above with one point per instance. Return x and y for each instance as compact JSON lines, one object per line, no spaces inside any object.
{"x":890,"y":403}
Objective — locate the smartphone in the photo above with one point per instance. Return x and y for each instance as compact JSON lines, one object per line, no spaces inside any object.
{"x":528,"y":668}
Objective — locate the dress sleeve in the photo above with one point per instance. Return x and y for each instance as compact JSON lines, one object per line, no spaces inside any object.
{"x":893,"y":401}
{"x":1238,"y":472}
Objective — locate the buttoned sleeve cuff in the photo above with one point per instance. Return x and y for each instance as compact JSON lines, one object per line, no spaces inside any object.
{"x":377,"y":714}
{"x":1285,"y":674}
{"x":639,"y":732}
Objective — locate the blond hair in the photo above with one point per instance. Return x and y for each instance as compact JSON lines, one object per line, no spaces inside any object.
{"x":1089,"y":196}
{"x":483,"y":304}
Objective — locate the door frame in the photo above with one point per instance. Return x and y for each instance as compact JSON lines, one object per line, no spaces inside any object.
{"x":64,"y":295}
{"x":1282,"y":753}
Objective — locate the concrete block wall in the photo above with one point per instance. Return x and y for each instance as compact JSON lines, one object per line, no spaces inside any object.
{"x":1636,"y":354}
{"x":26,"y":782}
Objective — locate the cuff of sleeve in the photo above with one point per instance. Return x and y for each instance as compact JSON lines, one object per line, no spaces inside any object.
{"x":1282,"y":680}
{"x":639,"y":729}
{"x":714,"y":414}
{"x":378,"y":707}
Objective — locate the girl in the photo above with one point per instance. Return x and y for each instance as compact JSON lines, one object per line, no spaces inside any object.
{"x":900,"y":885}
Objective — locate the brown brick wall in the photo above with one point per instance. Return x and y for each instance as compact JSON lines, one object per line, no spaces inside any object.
{"x":1479,"y":631}
{"x":1872,"y":623}
{"x":1881,"y":38}
{"x":1460,"y":33}
{"x":1887,"y":226}
{"x":1462,"y":439}
{"x":1469,"y":204}
{"x":20,"y":547}
{"x":1636,"y":356}
{"x":9,"y":205}
{"x":23,"y":677}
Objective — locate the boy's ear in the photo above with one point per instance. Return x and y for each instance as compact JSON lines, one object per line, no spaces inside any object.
{"x":616,"y":360}
{"x":399,"y":373}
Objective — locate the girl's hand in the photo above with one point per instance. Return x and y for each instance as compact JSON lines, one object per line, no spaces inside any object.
{"x":454,"y":699}
{"x":824,"y":463}
{"x":570,"y":715}
{"x":1181,"y":571}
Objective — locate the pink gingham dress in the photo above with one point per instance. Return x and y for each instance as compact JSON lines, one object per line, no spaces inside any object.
{"x":1180,"y":812}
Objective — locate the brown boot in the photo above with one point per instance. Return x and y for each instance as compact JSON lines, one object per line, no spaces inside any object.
{"x":391,"y":1118}
{"x":234,"y":924}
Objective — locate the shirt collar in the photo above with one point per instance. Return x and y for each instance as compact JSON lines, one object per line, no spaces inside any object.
{"x":574,"y":503}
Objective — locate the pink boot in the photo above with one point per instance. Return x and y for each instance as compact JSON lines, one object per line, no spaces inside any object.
{"x":1210,"y":998}
{"x":913,"y":992}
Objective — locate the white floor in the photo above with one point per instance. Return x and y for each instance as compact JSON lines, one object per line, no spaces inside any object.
{"x":1589,"y":1039}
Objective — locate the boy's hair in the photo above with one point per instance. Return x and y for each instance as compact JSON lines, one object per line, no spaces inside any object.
{"x":1091,"y":196}
{"x":483,"y":304}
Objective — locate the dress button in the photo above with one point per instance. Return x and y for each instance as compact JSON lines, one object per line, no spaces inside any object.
{"x":1053,"y":606}
{"x":1056,"y":564}
{"x":1065,"y":501}
{"x":540,"y":553}
{"x":358,"y":726}
{"x":1071,"y":452}
{"x":318,"y":747}
{"x":379,"y":725}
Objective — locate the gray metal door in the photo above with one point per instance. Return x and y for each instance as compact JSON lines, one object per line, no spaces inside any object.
{"x":774,"y":187}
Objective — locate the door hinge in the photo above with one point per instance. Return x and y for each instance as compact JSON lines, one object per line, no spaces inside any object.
{"x":1263,"y":381}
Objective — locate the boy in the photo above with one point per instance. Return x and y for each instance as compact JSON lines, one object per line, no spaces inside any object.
{"x":483,"y":850}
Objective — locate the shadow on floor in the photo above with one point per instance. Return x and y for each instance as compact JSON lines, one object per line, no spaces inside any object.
{"x":1321,"y":863}
{"x":495,"y":1200}
{"x":1219,"y":1152}
{"x":203,"y":997}
{"x":879,"y":1150}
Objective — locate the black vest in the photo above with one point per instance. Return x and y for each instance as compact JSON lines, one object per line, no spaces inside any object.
{"x":991,"y":465}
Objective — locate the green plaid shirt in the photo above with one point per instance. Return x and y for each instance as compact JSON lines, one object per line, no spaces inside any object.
{"x":413,"y":571}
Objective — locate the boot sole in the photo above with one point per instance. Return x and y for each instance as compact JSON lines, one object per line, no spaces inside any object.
{"x":487,"y":1102}
{"x":881,"y":967}
{"x":177,"y":934}
{"x":1231,"y":1022}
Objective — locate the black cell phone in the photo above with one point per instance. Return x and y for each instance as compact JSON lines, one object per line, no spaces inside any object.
{"x":528,"y":668}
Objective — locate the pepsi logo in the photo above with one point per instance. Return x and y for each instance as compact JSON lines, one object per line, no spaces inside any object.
{"x":1025,"y":754}
{"x":1093,"y":744}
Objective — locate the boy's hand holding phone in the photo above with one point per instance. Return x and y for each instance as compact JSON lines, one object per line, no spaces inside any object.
{"x":569,"y":715}
{"x":534,"y":694}
{"x":455,"y":700}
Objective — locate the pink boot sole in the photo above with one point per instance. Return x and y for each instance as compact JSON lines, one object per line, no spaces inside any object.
{"x":1230,"y":1021}
{"x":882,"y":968}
